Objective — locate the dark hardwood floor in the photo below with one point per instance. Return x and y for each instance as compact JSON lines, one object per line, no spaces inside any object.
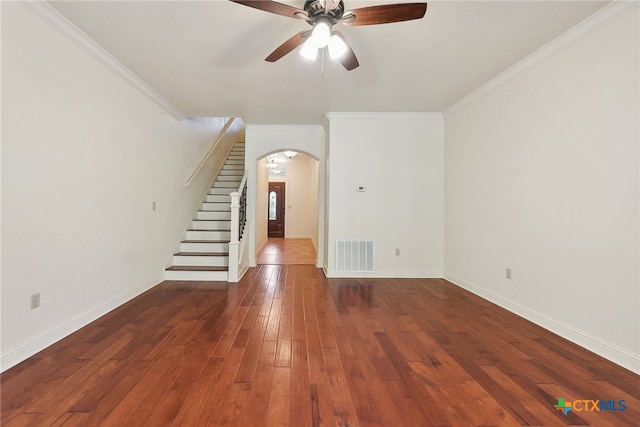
{"x":288,"y":347}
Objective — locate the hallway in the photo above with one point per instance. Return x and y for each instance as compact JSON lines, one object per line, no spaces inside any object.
{"x":287,"y":252}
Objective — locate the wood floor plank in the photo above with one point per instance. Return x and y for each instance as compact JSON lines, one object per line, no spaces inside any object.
{"x":522,"y":395}
{"x":286,"y":346}
{"x":315,"y":359}
{"x":283,"y":351}
{"x":277,"y":413}
{"x":300,"y":413}
{"x":25,"y":387}
{"x":137,"y":394}
{"x":412,"y":383}
{"x":343,"y":408}
{"x":249,"y":362}
{"x":258,"y":398}
{"x":197,"y":400}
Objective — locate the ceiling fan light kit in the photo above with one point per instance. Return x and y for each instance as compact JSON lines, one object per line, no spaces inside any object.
{"x":322,"y":15}
{"x":337,"y":47}
{"x":309,"y":50}
{"x":321,"y":32}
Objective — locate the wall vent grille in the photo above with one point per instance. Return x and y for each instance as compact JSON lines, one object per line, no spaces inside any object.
{"x":355,"y":256}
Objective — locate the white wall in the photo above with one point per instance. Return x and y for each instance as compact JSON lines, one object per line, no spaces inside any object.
{"x":398,"y":157}
{"x":301,"y":192}
{"x":261,"y":209}
{"x":262,"y":140}
{"x":313,"y":174}
{"x":84,"y":156}
{"x":542,"y":177}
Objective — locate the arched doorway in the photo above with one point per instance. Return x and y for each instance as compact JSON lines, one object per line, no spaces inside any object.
{"x":287,"y":203}
{"x":264,"y":140}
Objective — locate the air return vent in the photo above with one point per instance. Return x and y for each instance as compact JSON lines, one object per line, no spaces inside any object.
{"x":355,"y":256}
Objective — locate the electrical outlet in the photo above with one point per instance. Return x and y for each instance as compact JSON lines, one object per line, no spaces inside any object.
{"x":35,"y":300}
{"x":397,"y":251}
{"x":508,"y":273}
{"x":153,"y":206}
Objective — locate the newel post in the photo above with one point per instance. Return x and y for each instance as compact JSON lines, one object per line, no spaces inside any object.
{"x":235,"y":217}
{"x":235,"y":237}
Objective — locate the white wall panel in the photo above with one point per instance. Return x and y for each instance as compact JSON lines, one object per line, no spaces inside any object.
{"x":398,"y":159}
{"x":84,"y":157}
{"x":542,"y":178}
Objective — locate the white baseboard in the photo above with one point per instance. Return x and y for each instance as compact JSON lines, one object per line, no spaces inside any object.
{"x":609,"y":351}
{"x":386,"y":274}
{"x":55,"y":334}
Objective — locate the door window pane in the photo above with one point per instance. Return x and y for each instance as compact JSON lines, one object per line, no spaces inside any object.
{"x":272,"y":206}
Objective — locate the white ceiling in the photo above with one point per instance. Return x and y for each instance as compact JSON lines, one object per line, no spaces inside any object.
{"x":207,"y":57}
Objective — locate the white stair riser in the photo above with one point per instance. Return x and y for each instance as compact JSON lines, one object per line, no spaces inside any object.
{"x":208,"y":235}
{"x":204,"y":247}
{"x":229,"y":178}
{"x":211,"y":225}
{"x":214,"y":206}
{"x":233,"y":168}
{"x":233,"y":172}
{"x":213,"y":215}
{"x":218,"y":198}
{"x":200,"y":260}
{"x":213,"y":276}
{"x":234,"y":162}
{"x":219,"y":191}
{"x":230,"y":185}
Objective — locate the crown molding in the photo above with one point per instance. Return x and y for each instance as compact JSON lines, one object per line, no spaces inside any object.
{"x":281,"y":127}
{"x":590,"y":25}
{"x":62,"y":25}
{"x":384,"y":115}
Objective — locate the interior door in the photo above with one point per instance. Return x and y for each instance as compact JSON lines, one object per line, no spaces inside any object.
{"x":276,"y":209}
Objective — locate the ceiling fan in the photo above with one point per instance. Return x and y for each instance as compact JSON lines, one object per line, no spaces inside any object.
{"x":322,"y":15}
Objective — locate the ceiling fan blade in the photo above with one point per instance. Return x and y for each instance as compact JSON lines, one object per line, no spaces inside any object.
{"x":288,"y":46}
{"x":347,"y":59}
{"x":386,"y":14}
{"x":274,"y":7}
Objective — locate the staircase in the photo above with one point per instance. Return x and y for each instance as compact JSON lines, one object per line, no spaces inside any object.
{"x":203,"y":253}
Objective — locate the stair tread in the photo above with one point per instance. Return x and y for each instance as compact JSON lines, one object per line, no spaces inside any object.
{"x":196,"y":268}
{"x":211,"y":220}
{"x":202,"y":254}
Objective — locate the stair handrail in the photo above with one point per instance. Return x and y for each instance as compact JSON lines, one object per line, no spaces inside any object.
{"x":204,"y":160}
{"x":238,"y":209}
